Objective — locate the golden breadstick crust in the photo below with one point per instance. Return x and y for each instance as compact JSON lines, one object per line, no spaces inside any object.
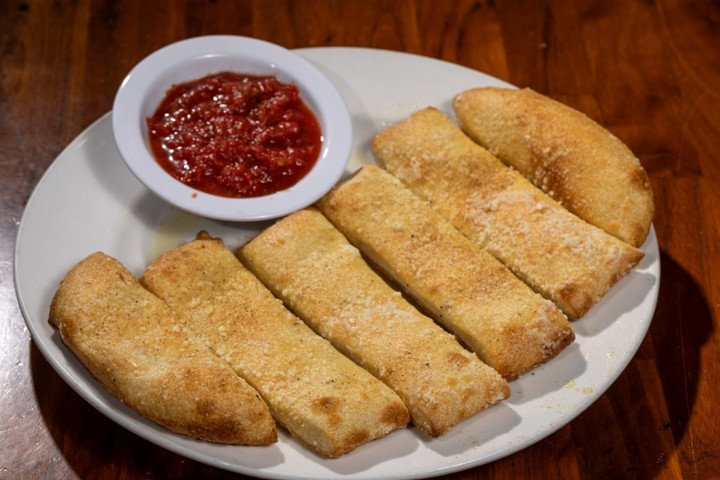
{"x":569,"y":156}
{"x":313,"y":268}
{"x":507,"y":324}
{"x":129,"y":341}
{"x":555,"y":252}
{"x":319,"y":395}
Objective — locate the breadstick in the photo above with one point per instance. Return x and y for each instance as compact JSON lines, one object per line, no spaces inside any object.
{"x":319,"y":395}
{"x":131,"y":343}
{"x":509,"y":326}
{"x":569,"y":156}
{"x":556,"y":253}
{"x":312,"y":267}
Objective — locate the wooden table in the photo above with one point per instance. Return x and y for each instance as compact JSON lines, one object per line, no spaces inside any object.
{"x":648,"y":71}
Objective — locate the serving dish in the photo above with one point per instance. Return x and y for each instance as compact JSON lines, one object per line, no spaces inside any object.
{"x":145,"y":86}
{"x":88,"y":200}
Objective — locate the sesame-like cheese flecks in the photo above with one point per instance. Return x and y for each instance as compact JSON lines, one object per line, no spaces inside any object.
{"x":134,"y":345}
{"x":306,"y":261}
{"x":569,"y":156}
{"x":508,"y":325}
{"x":556,"y":253}
{"x":324,"y":399}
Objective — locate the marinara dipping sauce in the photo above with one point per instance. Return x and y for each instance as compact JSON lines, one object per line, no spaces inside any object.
{"x":235,"y":135}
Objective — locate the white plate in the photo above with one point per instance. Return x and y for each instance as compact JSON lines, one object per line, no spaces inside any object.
{"x":88,"y":201}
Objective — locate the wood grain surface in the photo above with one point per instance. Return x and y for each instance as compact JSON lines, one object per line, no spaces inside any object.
{"x":647,"y":70}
